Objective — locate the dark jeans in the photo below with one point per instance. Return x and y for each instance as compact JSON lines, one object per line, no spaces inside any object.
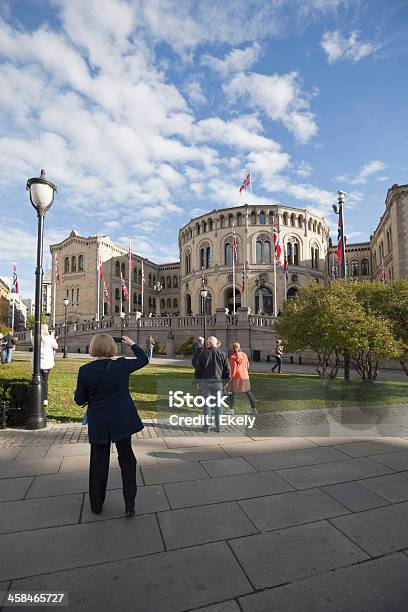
{"x":278,"y":363}
{"x":99,"y":470}
{"x":44,"y":376}
{"x":211,"y":389}
{"x":249,"y":394}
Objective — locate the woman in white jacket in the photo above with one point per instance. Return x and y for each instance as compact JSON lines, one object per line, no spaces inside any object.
{"x":48,"y":346}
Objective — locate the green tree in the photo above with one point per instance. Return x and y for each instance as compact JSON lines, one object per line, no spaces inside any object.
{"x":31,"y":320}
{"x":395,"y":307}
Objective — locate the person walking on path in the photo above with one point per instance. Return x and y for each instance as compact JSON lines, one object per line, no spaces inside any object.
{"x":47,"y":361}
{"x":112,"y":416}
{"x":8,"y":344}
{"x":278,"y":356}
{"x":197,"y":348}
{"x":212,"y":374}
{"x":239,"y":383}
{"x":149,"y":346}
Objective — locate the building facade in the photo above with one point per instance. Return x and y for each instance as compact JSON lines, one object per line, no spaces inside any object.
{"x":206,"y":253}
{"x":358,"y":261}
{"x":4,"y":303}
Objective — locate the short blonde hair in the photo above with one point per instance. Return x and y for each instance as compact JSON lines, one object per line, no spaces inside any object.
{"x":102,"y":345}
{"x":44,"y":329}
{"x":236,"y":346}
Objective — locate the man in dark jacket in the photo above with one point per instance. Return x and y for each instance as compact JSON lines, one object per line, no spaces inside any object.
{"x":197,"y":348}
{"x":212,"y":374}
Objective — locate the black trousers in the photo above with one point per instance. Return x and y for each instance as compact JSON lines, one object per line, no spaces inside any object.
{"x":99,"y":470}
{"x":44,"y":376}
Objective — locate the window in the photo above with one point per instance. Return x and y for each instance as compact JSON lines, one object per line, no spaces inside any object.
{"x":365,"y":268}
{"x":204,"y":227}
{"x":135,"y":298}
{"x":72,"y":295}
{"x":150,"y":302}
{"x":354,"y":267}
{"x":139,"y":299}
{"x":67,"y":294}
{"x":162,"y":281}
{"x":239,"y":218}
{"x":222,"y":221}
{"x":230,"y":220}
{"x":285,"y":218}
{"x":154,"y":280}
{"x":258,"y":252}
{"x":175,"y":282}
{"x":263,"y":251}
{"x":309,"y":225}
{"x":197,"y":228}
{"x":139,"y":276}
{"x":168,"y":304}
{"x":210,"y":224}
{"x":271,"y":218}
{"x":135,"y":275}
{"x":315,"y":257}
{"x":117,"y":269}
{"x":77,"y":296}
{"x":66,"y":265}
{"x":315,"y":226}
{"x":292,"y":252}
{"x":187,"y":263}
{"x":253,"y":218}
{"x":116,"y":309}
{"x":175,"y":303}
{"x":293,"y":220}
{"x":300,"y":221}
{"x":205,"y":257}
{"x":228,"y":254}
{"x":81,"y":263}
{"x":150,"y":283}
{"x":262,"y":217}
{"x":168,"y":282}
{"x":123,"y":270}
{"x":117,"y":294}
{"x":73,"y":263}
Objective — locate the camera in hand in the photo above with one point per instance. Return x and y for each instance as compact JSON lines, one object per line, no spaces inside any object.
{"x":117,"y":339}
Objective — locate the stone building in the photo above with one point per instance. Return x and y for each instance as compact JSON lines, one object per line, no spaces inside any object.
{"x":358,"y":261}
{"x":206,"y":249}
{"x":78,"y":272}
{"x":4,"y":302}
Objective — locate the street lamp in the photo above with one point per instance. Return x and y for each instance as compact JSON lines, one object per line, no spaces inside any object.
{"x":338,"y":209}
{"x":204,"y":294}
{"x":122,"y":319}
{"x":158,"y":288}
{"x":41,"y":197}
{"x":66,"y":302}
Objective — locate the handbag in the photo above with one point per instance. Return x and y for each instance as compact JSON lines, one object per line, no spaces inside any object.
{"x":86,"y":405}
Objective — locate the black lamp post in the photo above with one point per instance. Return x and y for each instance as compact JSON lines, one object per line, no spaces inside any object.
{"x":158,"y":289}
{"x":204,"y":294}
{"x":66,"y":302}
{"x":41,"y":197}
{"x":338,"y":209}
{"x":122,"y":319}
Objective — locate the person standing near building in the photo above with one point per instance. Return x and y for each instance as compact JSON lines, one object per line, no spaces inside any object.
{"x":278,"y":356}
{"x":239,"y":383}
{"x":8,"y":344}
{"x":197,"y":348}
{"x":212,"y":374}
{"x":149,"y":346}
{"x":47,"y":362}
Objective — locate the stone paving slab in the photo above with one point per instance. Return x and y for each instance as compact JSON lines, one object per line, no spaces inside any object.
{"x":39,"y":513}
{"x":294,"y":458}
{"x":379,"y":531}
{"x":355,"y":496}
{"x":265,"y":446}
{"x":155,"y":474}
{"x":148,"y":500}
{"x":365,"y":449}
{"x":14,"y":488}
{"x":225,"y":606}
{"x":8,"y":454}
{"x":227,"y":467}
{"x":202,"y":524}
{"x":71,"y":482}
{"x":190,"y":454}
{"x":396,"y":461}
{"x":12,"y":469}
{"x":332,"y":473}
{"x":373,"y":586}
{"x":172,"y":581}
{"x":227,"y":488}
{"x":32,"y":452}
{"x":69,"y":450}
{"x":208,"y":440}
{"x":58,"y":548}
{"x":289,"y":509}
{"x":292,"y":554}
{"x":393,"y":487}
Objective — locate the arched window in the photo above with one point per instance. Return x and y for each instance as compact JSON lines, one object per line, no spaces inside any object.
{"x":139,"y":299}
{"x":230,"y":220}
{"x":263,"y":250}
{"x":271,"y":218}
{"x":135,"y":275}
{"x":315,"y":257}
{"x":175,"y":303}
{"x":319,"y":228}
{"x":309,"y":225}
{"x":204,"y":225}
{"x":292,"y":252}
{"x":354,"y":267}
{"x":139,"y":276}
{"x":77,"y":296}
{"x":66,"y":265}
{"x":168,"y":282}
{"x":222,"y":221}
{"x":365,"y":268}
{"x":315,"y":226}
{"x":300,"y":221}
{"x":347,"y":268}
{"x":162,"y":281}
{"x":67,"y":294}
{"x":253,"y":218}
{"x":81,"y":263}
{"x":162,"y":304}
{"x":175,"y":282}
{"x":73,"y":264}
{"x":117,"y":269}
{"x":150,"y":283}
{"x":263,"y":301}
{"x":154,"y":280}
{"x":228,"y":254}
{"x":123,"y":270}
{"x":72,"y":295}
{"x":117,"y":294}
{"x":197,"y":228}
{"x":135,"y":298}
{"x":285,"y":218}
{"x":210,"y":225}
{"x":258,"y":252}
{"x":239,"y":218}
{"x":262,"y":218}
{"x":187,"y":263}
{"x":188,"y":304}
{"x":293,"y":219}
{"x":168,"y":303}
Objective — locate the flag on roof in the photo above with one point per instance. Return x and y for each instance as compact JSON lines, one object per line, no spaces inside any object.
{"x":245,"y":183}
{"x":14,"y":288}
{"x":124,"y":288}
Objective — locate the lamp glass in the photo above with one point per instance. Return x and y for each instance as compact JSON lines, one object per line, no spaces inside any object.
{"x":66,"y":301}
{"x":41,"y":195}
{"x":204,"y":293}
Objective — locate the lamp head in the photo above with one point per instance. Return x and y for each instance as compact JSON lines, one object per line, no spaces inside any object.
{"x":66,"y":301}
{"x":203,"y":293}
{"x":41,"y":193}
{"x":334,"y":207}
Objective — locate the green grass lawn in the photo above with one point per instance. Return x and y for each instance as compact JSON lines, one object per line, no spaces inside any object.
{"x":273,"y":392}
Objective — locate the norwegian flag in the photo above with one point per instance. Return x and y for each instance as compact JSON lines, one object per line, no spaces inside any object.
{"x":14,"y":288}
{"x":339,"y":242}
{"x":57,"y":276}
{"x":245,"y":183}
{"x":105,"y":292}
{"x":234,"y":248}
{"x":276,"y":241}
{"x":125,"y":292}
{"x":285,"y":267}
{"x":143,"y":277}
{"x":334,"y":270}
{"x":100,"y":270}
{"x":202,"y":279}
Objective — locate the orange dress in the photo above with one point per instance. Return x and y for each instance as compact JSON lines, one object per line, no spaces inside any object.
{"x":239,"y":373}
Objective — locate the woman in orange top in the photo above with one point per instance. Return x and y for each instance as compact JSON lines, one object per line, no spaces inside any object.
{"x":239,"y":377}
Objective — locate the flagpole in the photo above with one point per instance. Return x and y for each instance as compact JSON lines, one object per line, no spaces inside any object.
{"x":274,"y":284}
{"x":250,"y":184}
{"x":54,"y":294}
{"x":12,"y":315}
{"x":233,"y":284}
{"x":130,"y":274}
{"x":142,"y":289}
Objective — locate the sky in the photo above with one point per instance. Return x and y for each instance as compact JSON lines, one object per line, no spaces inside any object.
{"x":146,"y":113}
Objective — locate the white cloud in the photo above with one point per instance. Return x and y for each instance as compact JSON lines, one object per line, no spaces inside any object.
{"x":338,"y":47}
{"x":364,"y":173}
{"x":279,"y":96}
{"x":304,"y":169}
{"x":237,"y":60}
{"x":195,"y":93}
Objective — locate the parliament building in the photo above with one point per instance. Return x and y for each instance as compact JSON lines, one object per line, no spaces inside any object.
{"x":206,"y":255}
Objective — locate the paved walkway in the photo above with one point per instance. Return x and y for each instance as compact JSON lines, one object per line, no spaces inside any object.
{"x":225,"y":523}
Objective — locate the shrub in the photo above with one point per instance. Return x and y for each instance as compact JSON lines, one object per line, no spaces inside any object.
{"x":186,"y":348}
{"x":17,"y":395}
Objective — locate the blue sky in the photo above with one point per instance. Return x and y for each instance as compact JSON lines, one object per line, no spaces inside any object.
{"x":148,"y":112}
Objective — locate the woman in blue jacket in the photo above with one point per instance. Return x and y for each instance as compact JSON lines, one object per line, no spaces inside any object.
{"x":112,"y":416}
